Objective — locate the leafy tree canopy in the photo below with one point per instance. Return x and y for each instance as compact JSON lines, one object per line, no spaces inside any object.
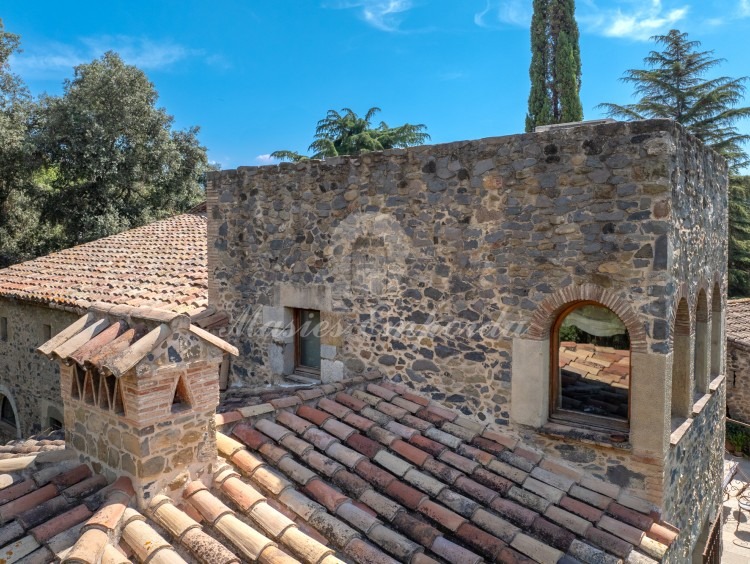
{"x":18,"y":214}
{"x":346,"y":133}
{"x":99,"y":159}
{"x":114,"y":160}
{"x":739,"y":236}
{"x":674,"y":86}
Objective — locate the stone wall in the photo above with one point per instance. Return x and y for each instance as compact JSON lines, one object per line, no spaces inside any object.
{"x":738,"y":382}
{"x":446,"y":266}
{"x":27,"y":377}
{"x":693,"y":474}
{"x":464,"y":235}
{"x":696,"y":259}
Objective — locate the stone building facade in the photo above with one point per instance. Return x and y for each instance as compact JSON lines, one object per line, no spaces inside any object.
{"x":450,"y":267}
{"x":738,"y":360}
{"x":162,"y":264}
{"x":28,"y":381}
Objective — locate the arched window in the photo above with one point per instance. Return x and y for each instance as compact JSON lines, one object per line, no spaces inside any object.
{"x":717,"y":342}
{"x":7,"y":415}
{"x":681,"y":400}
{"x":591,"y":367}
{"x":701,"y":344}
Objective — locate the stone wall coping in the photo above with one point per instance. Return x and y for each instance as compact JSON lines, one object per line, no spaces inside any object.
{"x":700,"y":404}
{"x":696,"y":410}
{"x":716,"y":383}
{"x":604,"y":129}
{"x":680,"y":432}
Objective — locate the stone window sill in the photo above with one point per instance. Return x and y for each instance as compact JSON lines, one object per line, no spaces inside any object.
{"x":700,"y":404}
{"x":680,"y":431}
{"x":614,"y":440}
{"x":716,"y":383}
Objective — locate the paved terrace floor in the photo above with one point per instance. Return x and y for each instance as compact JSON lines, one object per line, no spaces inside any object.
{"x":736,"y":528}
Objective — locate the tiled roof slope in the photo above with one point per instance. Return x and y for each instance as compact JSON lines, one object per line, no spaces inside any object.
{"x":348,"y":472}
{"x":46,"y":502}
{"x":415,"y":482}
{"x":43,"y":442}
{"x":162,"y":265}
{"x":54,"y":509}
{"x":738,"y":321}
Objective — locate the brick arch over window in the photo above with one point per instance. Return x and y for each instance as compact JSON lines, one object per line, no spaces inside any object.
{"x":550,"y":309}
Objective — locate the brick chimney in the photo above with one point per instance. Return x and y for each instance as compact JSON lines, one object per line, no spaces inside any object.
{"x":140,"y":388}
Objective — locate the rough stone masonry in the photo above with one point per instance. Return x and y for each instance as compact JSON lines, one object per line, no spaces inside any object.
{"x":446,"y":266}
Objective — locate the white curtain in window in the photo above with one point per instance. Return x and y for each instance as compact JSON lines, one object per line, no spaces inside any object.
{"x":595,"y":320}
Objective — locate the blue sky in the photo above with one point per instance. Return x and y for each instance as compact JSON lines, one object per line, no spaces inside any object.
{"x":257,"y":76}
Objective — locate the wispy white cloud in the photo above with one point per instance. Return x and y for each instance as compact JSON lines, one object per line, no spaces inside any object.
{"x":631,"y":19}
{"x":744,"y":8}
{"x":509,"y":12}
{"x":642,"y":21}
{"x":53,"y":58}
{"x":385,"y":15}
{"x":265,"y":159}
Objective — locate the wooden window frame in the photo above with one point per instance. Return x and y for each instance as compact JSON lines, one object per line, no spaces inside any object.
{"x":565,"y":416}
{"x":299,"y":368}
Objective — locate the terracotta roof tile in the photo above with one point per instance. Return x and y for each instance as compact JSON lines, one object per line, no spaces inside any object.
{"x":409,"y":452}
{"x":165,"y":260}
{"x":334,"y":408}
{"x":147,"y":543}
{"x":324,"y":494}
{"x":453,"y":552}
{"x":19,"y":549}
{"x":738,"y":321}
{"x":56,"y":525}
{"x":89,"y":548}
{"x":312,"y":487}
{"x":406,"y":495}
{"x":468,"y":492}
{"x":207,"y":549}
{"x":442,"y":471}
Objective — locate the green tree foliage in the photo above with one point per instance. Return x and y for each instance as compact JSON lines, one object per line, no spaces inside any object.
{"x":18,"y":215}
{"x":114,"y":158}
{"x":674,"y":86}
{"x":347,"y":133}
{"x":739,"y":236}
{"x":97,"y":160}
{"x":555,"y":69}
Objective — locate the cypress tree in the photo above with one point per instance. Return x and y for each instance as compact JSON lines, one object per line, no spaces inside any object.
{"x":555,"y":69}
